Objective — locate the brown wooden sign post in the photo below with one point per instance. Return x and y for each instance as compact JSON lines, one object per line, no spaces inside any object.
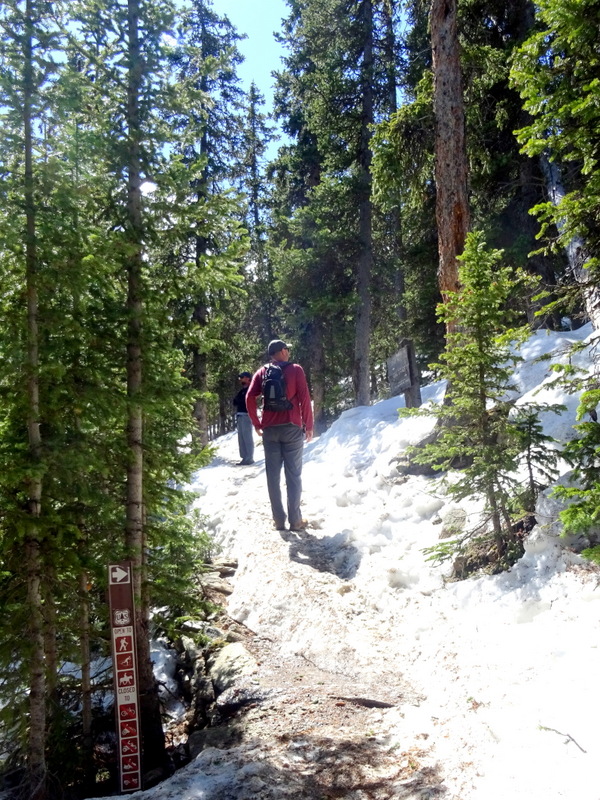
{"x":127,"y":706}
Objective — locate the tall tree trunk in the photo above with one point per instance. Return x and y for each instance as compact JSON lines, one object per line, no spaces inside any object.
{"x":412,"y":397}
{"x":317,"y":374}
{"x":152,"y":732}
{"x":365,"y":257}
{"x":200,"y":315}
{"x":452,"y":207}
{"x":86,"y":683}
{"x":37,"y":767}
{"x":199,"y":368}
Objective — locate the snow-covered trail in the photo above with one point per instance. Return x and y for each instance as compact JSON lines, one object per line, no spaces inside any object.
{"x":487,"y":664}
{"x":495,"y":661}
{"x":490,"y":681}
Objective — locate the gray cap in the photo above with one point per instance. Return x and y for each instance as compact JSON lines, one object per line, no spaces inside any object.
{"x":275,"y":345}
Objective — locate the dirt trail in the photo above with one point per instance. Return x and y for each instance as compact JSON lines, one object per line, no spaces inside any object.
{"x":319,"y":717}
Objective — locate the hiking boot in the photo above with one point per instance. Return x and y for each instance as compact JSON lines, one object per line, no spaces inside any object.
{"x":246,"y":463}
{"x":299,"y":526}
{"x":279,"y":526}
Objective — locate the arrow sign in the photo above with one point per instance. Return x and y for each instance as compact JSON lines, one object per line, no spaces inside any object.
{"x":118,"y":574}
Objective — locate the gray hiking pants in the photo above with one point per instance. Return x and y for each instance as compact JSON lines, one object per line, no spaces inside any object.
{"x":283,"y":446}
{"x":245,"y":437}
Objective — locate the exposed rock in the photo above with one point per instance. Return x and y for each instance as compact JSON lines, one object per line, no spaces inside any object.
{"x":213,"y":581}
{"x":228,"y":664}
{"x":226,"y":735}
{"x":235,"y":698}
{"x":225,"y":567}
{"x":453,"y":523}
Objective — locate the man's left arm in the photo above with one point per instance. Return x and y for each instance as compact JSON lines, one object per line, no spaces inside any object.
{"x":305,"y":403}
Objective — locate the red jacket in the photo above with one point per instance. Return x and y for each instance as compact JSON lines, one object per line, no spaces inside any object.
{"x":296,"y":390}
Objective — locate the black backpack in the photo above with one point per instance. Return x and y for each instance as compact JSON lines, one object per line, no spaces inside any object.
{"x":273,"y":388}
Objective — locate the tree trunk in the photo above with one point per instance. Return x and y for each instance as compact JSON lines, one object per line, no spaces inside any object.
{"x":200,"y":368}
{"x":412,"y":397}
{"x":452,"y":208}
{"x":200,"y":314}
{"x":365,"y":257}
{"x":317,"y":374}
{"x":576,"y":249}
{"x":151,"y":725}
{"x":86,"y":683}
{"x":37,"y":768}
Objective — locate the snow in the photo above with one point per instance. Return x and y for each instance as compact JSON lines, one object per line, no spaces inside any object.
{"x":503,"y":667}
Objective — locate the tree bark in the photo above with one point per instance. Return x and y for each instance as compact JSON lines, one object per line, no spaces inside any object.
{"x":317,"y":374}
{"x":365,"y":257}
{"x":37,"y":768}
{"x":151,"y":725}
{"x":412,"y":397}
{"x":452,"y":207}
{"x":86,"y":683}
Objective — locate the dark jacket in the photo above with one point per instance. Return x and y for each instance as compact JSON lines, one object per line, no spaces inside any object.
{"x":239,"y":401}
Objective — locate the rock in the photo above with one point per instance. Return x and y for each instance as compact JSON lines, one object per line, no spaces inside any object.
{"x":453,"y":523}
{"x":212,"y":580}
{"x":188,"y":648}
{"x":201,"y":626}
{"x":236,"y":698}
{"x":225,"y":567}
{"x":228,"y":664}
{"x":221,"y":737}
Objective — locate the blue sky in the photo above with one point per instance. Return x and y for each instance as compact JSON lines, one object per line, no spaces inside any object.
{"x":258,"y":19}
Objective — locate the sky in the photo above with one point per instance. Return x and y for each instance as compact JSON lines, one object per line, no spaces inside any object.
{"x":258,"y":19}
{"x":503,"y":666}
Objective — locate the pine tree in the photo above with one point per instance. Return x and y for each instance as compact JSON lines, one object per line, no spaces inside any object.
{"x":583,"y":512}
{"x":477,"y":363}
{"x":252,"y":181}
{"x":338,"y":75}
{"x":25,"y":74}
{"x":452,"y":205}
{"x":88,"y":150}
{"x":211,"y":141}
{"x":556,"y":73}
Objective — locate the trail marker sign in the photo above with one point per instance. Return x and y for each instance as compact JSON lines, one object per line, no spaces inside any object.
{"x":127,"y":705}
{"x":399,"y":376}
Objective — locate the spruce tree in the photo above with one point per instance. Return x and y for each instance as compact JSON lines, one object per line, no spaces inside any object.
{"x":556,"y":73}
{"x":582,"y":515}
{"x":86,"y":240}
{"x":336,"y":74}
{"x":477,"y":363}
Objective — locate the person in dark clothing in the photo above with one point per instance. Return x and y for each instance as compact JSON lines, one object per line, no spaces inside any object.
{"x":284,"y":433}
{"x":243,"y":423}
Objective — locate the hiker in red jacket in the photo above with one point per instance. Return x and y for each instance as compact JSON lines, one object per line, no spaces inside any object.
{"x":283,"y":431}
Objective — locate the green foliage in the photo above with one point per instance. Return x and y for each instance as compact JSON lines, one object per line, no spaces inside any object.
{"x":556,"y":73}
{"x":582,"y":514}
{"x":175,"y":565}
{"x":477,"y":429}
{"x":79,"y":173}
{"x":592,"y":554}
{"x":582,"y":453}
{"x":540,"y":459}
